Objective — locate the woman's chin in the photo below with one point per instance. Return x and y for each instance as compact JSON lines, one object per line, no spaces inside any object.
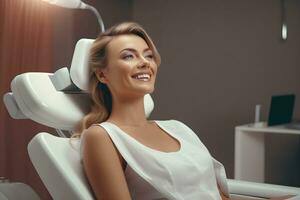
{"x":144,"y":90}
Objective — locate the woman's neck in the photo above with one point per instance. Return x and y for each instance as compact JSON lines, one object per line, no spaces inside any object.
{"x":128,"y":112}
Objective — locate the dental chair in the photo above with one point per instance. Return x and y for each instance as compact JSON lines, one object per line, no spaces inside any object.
{"x":59,"y":100}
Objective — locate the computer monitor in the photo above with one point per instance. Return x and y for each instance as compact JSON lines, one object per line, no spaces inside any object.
{"x":281,"y":109}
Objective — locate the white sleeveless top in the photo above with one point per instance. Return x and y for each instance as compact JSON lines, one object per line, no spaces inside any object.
{"x":190,"y":173}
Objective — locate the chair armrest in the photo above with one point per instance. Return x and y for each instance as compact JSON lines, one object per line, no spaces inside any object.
{"x":260,"y":189}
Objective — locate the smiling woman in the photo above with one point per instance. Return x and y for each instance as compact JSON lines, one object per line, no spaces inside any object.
{"x":126,"y":156}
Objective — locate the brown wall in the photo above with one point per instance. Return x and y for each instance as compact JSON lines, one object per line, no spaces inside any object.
{"x":220,"y":59}
{"x":25,"y":46}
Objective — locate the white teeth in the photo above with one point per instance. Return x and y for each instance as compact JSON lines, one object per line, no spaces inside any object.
{"x":144,"y":77}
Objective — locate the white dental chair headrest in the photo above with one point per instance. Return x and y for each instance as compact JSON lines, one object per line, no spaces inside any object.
{"x":79,"y":71}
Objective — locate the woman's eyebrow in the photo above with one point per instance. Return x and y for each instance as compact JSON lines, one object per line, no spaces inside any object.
{"x":134,"y":50}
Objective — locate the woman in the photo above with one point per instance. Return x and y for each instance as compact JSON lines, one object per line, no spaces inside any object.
{"x":125,"y":156}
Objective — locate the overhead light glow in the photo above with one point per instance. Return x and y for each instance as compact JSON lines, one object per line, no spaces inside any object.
{"x":67,"y":3}
{"x":284,"y":32}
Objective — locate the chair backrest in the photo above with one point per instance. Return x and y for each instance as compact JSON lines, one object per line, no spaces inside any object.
{"x":57,"y":161}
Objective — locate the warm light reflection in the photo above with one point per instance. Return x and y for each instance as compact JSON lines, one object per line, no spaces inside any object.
{"x":67,"y":3}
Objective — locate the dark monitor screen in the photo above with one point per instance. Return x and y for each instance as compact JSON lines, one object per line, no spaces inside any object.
{"x":281,"y":109}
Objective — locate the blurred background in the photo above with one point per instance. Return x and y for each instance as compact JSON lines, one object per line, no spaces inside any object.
{"x":219,"y":59}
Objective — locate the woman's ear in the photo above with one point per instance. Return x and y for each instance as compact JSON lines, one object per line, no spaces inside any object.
{"x":101,"y":76}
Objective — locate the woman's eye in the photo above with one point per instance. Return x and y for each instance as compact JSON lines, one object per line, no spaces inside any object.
{"x":149,"y":57}
{"x":128,"y":57}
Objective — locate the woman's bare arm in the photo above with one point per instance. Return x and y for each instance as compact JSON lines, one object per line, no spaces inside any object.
{"x":103,"y":166}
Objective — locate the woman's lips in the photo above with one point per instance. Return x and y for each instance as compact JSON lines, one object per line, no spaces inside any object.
{"x":142,"y":76}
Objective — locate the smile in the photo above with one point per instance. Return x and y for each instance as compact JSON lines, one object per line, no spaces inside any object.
{"x":142,"y":77}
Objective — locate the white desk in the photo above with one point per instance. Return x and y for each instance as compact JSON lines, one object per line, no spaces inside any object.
{"x":249,"y":153}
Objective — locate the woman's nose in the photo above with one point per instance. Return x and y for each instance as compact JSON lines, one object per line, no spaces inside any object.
{"x":144,"y":63}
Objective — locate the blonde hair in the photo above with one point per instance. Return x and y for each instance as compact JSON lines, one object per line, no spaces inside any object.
{"x":101,"y":99}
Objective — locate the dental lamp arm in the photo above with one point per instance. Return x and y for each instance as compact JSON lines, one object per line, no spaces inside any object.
{"x":99,"y":18}
{"x":78,"y":4}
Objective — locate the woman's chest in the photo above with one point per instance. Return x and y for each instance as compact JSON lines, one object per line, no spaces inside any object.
{"x":181,"y":172}
{"x":156,"y":139}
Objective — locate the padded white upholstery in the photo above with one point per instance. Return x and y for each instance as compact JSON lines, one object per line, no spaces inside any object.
{"x":38,"y":99}
{"x":261,"y":189}
{"x":57,"y":162}
{"x":79,"y":71}
{"x":17,"y":191}
{"x":14,"y":111}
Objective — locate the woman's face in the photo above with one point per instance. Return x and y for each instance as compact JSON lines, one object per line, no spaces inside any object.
{"x":131,"y":68}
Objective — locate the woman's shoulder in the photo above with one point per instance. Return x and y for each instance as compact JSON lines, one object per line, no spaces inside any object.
{"x":96,"y":129}
{"x":96,"y":138}
{"x":95,"y":133}
{"x":92,"y":137}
